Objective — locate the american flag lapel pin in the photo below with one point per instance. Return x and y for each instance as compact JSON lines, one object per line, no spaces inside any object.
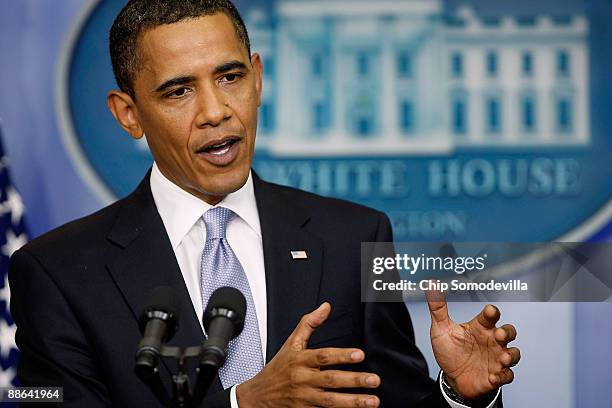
{"x":299,"y":255}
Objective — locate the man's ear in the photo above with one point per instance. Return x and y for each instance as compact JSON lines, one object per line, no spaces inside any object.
{"x":258,"y":70}
{"x":123,"y":108}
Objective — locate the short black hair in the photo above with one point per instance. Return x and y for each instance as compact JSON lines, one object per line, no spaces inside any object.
{"x":139,"y":16}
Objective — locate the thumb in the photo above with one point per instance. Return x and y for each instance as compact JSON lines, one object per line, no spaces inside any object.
{"x":298,"y":340}
{"x":438,"y":308}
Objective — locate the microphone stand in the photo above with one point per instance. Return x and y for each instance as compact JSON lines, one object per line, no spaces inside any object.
{"x":181,"y":388}
{"x":224,"y":315}
{"x":182,"y":395}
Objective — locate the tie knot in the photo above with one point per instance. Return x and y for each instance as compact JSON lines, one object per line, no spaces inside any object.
{"x":215,"y":221}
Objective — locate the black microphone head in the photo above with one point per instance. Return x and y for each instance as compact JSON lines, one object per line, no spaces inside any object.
{"x":229,"y":302}
{"x":163,"y":304}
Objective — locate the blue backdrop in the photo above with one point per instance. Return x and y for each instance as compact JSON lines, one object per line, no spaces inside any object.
{"x":430,"y":144}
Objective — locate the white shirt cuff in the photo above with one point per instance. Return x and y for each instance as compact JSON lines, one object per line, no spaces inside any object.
{"x":454,"y":404}
{"x":233,"y":399}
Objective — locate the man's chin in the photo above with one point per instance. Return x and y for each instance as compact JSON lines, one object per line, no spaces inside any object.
{"x":222,"y":185}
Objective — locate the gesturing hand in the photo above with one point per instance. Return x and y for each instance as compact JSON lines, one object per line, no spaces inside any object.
{"x":473,"y":355}
{"x":293,"y":378}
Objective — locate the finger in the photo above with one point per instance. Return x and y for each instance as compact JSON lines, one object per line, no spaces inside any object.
{"x":342,"y":379}
{"x":505,"y":334}
{"x":337,"y":399}
{"x":511,"y":357}
{"x":298,"y":340}
{"x":438,"y":308}
{"x":331,"y":356}
{"x":488,"y":317}
{"x":505,"y":376}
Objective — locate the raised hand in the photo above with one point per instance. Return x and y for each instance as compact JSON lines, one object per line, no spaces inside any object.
{"x":473,"y":355}
{"x":293,"y":378}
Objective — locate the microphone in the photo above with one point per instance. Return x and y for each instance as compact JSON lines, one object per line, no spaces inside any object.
{"x":223,"y":320}
{"x":158,"y":323}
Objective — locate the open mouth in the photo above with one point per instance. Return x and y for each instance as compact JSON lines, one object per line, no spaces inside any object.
{"x":219,"y":148}
{"x":221,"y":152}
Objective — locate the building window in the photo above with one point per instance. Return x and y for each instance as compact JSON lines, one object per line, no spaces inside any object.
{"x":317,"y":65}
{"x":528,"y":113}
{"x":563,"y":63}
{"x":457,"y":65}
{"x":564,"y":115}
{"x":490,"y":21}
{"x":493,"y":115}
{"x":562,"y":20}
{"x":491,"y":63}
{"x":266,"y":113}
{"x":363,"y":64}
{"x":459,"y":116}
{"x":404,"y":65}
{"x":406,"y":116}
{"x":526,"y":21}
{"x":364,"y":126}
{"x":318,"y":114}
{"x":527,"y":64}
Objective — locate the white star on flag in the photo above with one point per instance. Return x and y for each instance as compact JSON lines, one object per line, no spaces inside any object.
{"x":6,"y":377}
{"x":5,"y":294}
{"x":7,"y":338}
{"x":13,"y":242}
{"x":14,"y":203}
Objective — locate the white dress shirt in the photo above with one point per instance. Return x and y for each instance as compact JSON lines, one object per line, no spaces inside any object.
{"x":181,"y":213}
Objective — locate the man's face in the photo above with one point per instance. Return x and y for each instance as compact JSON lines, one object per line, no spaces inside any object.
{"x":197,"y":95}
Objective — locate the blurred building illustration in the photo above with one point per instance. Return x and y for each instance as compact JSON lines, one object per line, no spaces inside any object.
{"x":406,"y":77}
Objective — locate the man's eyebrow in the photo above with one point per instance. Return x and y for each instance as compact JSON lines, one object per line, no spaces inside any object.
{"x":229,"y":66}
{"x":181,"y":80}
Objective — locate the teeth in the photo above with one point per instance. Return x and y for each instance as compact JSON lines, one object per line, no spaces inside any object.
{"x":221,"y":148}
{"x":221,"y":152}
{"x":219,"y":145}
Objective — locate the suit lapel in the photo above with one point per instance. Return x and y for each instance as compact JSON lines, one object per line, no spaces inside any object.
{"x":148,"y":261}
{"x":292,"y":285}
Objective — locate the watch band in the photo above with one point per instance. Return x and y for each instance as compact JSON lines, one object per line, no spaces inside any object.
{"x":482,"y":402}
{"x":450,"y":392}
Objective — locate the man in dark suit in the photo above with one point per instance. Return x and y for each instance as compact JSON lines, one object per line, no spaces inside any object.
{"x":189,"y":82}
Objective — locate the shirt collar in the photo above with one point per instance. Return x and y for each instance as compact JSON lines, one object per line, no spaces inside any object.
{"x":180,"y":210}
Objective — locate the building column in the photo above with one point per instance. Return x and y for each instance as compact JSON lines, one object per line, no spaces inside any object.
{"x":388,"y":99}
{"x":338,"y":125}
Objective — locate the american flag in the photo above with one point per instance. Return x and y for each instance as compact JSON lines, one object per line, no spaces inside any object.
{"x":12,"y":237}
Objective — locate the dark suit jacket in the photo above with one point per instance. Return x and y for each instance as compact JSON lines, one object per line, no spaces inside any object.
{"x":77,"y":293}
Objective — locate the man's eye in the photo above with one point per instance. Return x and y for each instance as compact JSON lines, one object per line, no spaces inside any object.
{"x":178,"y":93}
{"x":231,"y":77}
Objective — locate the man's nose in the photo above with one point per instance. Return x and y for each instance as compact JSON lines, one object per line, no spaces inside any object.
{"x":213,"y":107}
